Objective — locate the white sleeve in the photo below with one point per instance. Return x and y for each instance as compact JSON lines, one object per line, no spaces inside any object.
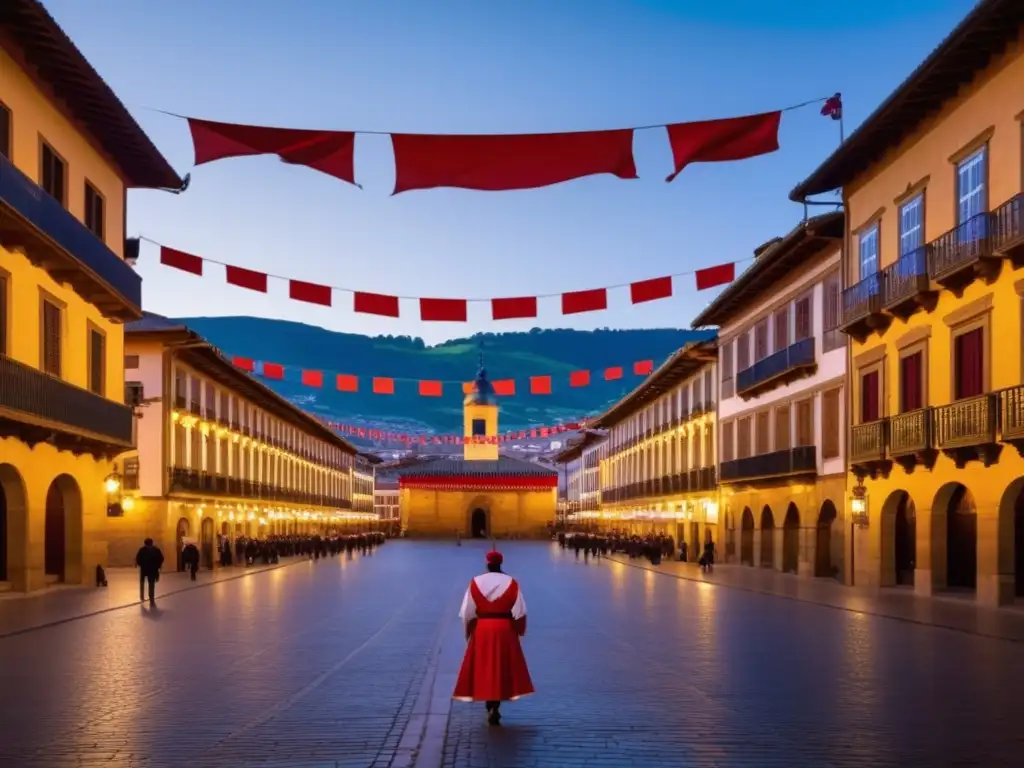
{"x":468,"y":611}
{"x":519,"y":608}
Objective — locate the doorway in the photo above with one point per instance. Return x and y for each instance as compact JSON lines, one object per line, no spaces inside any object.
{"x":747,"y":537}
{"x":478,"y":524}
{"x":823,"y":542}
{"x":54,"y":534}
{"x":207,"y":542}
{"x":179,"y":542}
{"x":3,"y":533}
{"x":767,"y":538}
{"x":694,"y":549}
{"x":791,"y":540}
{"x":1018,"y":544}
{"x":961,"y":541}
{"x":905,"y":541}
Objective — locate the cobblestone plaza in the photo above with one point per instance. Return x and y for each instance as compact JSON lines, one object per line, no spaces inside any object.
{"x":350,"y":662}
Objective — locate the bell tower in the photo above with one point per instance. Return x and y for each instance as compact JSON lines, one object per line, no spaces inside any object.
{"x":480,"y":419}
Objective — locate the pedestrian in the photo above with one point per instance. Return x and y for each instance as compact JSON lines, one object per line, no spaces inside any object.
{"x":149,"y":559}
{"x":190,"y":558}
{"x":494,"y":615}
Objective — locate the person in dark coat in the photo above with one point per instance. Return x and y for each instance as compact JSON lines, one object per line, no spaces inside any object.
{"x":149,"y":559}
{"x":190,"y":559}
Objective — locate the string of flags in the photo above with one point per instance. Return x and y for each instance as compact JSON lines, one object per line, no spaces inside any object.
{"x":385,"y":385}
{"x":442,"y":309}
{"x":407,"y":439}
{"x":497,"y":162}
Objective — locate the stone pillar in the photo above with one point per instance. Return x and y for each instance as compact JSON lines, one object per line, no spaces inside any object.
{"x":757,"y":547}
{"x":808,"y":549}
{"x":995,"y":578}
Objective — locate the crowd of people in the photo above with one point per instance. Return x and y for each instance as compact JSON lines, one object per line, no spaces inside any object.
{"x":653,"y":546}
{"x":269,"y":550}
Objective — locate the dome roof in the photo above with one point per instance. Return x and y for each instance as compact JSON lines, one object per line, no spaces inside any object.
{"x":482,"y":391}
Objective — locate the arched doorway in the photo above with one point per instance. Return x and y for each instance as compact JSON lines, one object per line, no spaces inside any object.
{"x":905,"y":540}
{"x":180,"y":534}
{"x":206,"y":550}
{"x":730,"y":536}
{"x":62,"y":531}
{"x":13,"y":526}
{"x":747,"y":537}
{"x":961,"y":540}
{"x":823,"y":542}
{"x":478,"y":524}
{"x":767,"y":538}
{"x":791,"y":540}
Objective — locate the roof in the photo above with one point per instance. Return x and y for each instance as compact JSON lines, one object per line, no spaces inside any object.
{"x":481,"y":391}
{"x":49,"y":52}
{"x":982,"y":35}
{"x":683,"y":363}
{"x":369,"y":458}
{"x":778,"y":258}
{"x":505,"y":466}
{"x":575,"y":448}
{"x":207,"y":359}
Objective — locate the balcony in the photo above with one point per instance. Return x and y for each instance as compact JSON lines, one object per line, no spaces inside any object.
{"x":192,"y":481}
{"x":964,"y":253}
{"x":802,"y":460}
{"x":787,"y":364}
{"x":38,"y":408}
{"x":1008,"y":230}
{"x":1011,"y":417}
{"x":867,"y":448}
{"x":966,"y":430}
{"x":906,"y":287}
{"x":912,"y":439}
{"x":54,"y":240}
{"x":861,"y":311}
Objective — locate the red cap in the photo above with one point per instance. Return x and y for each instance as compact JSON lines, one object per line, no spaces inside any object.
{"x":494,"y":557}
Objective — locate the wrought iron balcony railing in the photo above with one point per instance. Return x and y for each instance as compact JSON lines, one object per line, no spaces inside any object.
{"x":766,"y":370}
{"x":791,"y":461}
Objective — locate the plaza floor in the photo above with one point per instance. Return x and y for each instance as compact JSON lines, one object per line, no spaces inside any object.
{"x":350,"y":662}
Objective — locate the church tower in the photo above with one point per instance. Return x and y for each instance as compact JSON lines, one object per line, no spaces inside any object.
{"x":480,"y":419}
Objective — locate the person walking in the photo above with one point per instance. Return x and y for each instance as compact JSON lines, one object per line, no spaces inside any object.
{"x":190,"y":558}
{"x":149,"y":559}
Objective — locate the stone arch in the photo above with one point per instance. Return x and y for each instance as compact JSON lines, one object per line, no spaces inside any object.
{"x":1010,"y":532}
{"x":478,"y":518}
{"x":13,"y":528}
{"x":62,"y":533}
{"x":791,"y":540}
{"x":955,"y":538}
{"x":767,"y":537}
{"x":181,"y":531}
{"x":823,"y":566}
{"x":207,"y":537}
{"x":747,"y":537}
{"x":898,"y":540}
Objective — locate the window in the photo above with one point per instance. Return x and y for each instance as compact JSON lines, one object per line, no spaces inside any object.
{"x":805,"y":423}
{"x":211,"y":401}
{"x":479,"y":427}
{"x":195,"y":450}
{"x":802,"y":311}
{"x":911,"y":382}
{"x":54,"y":174}
{"x":709,"y":447}
{"x":781,"y":329}
{"x":869,"y":397}
{"x":969,"y":364}
{"x":912,"y":225}
{"x":222,"y":459}
{"x":4,"y":285}
{"x":831,"y":426}
{"x":131,"y":362}
{"x":94,"y":210}
{"x":709,"y":391}
{"x":868,"y":244}
{"x":743,"y":352}
{"x":762,"y":433}
{"x":97,"y":361}
{"x":223,"y":415}
{"x":52,"y":337}
{"x":5,"y":132}
{"x":134,"y":393}
{"x":698,"y":399}
{"x":179,"y":444}
{"x":743,"y":438}
{"x":727,"y":360}
{"x":972,"y":197}
{"x":831,"y":297}
{"x":131,"y":474}
{"x":761,"y":340}
{"x":782,"y":428}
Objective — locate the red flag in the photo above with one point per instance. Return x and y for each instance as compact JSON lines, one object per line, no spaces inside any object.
{"x":186,"y":262}
{"x":313,"y":378}
{"x":443,"y":310}
{"x":504,"y":386}
{"x":540,"y":385}
{"x":347,"y":383}
{"x":246,"y":278}
{"x":375,"y":304}
{"x":613,"y":373}
{"x":712,"y":277}
{"x":467,"y":387}
{"x":735,"y":138}
{"x":650,"y":290}
{"x":517,"y":161}
{"x":431,"y":389}
{"x":309,"y":292}
{"x":507,"y":309}
{"x":244,"y":363}
{"x":383,"y":386}
{"x":833,"y":107}
{"x":584,"y":301}
{"x":579,"y":378}
{"x":330,"y":152}
{"x":643,"y":367}
{"x":273,"y":371}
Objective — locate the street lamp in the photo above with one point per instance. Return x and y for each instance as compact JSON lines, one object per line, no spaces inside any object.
{"x":112,"y":485}
{"x":859,"y":505}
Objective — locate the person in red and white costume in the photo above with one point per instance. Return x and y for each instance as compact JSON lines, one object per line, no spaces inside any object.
{"x":494,"y":615}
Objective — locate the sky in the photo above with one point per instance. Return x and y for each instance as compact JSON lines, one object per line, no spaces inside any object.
{"x":454,"y":66}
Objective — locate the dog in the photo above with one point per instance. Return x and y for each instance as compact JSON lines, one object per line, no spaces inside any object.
{"x":101,"y":576}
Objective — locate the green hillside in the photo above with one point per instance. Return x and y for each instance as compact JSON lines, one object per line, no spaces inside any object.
{"x":506,"y":355}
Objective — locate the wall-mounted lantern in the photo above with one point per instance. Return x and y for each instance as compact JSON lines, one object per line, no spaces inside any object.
{"x":113,"y":486}
{"x":859,"y":505}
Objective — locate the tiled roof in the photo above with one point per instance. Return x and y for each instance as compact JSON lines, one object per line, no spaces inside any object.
{"x":150,"y":322}
{"x":505,"y":466}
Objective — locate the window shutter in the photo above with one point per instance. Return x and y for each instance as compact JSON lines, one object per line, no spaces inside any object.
{"x":781,"y":329}
{"x":805,"y":423}
{"x":743,"y":352}
{"x":830,"y":427}
{"x":3,"y":306}
{"x":727,"y":441}
{"x":803,"y":318}
{"x":97,"y":361}
{"x":782,"y":428}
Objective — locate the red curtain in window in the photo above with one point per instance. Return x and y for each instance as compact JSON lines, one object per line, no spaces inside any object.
{"x":970,"y":364}
{"x":910,"y":383}
{"x":869,"y":398}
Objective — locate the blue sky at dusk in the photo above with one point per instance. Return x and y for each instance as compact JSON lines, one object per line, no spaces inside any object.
{"x":483,"y":67}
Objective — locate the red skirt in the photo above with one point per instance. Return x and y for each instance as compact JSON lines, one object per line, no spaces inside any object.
{"x":494,"y":667}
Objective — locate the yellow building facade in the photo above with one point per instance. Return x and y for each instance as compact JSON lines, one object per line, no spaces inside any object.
{"x":482,"y":494}
{"x":69,"y":152}
{"x":932,"y":304}
{"x":657,"y":465}
{"x":221,"y":456}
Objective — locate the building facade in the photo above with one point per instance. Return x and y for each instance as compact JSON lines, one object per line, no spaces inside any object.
{"x":581,"y":464}
{"x":219,"y":454}
{"x":782,"y":369}
{"x":363,"y":472}
{"x":69,"y":151}
{"x":932,"y":183}
{"x":385,"y":502}
{"x":657,"y":466}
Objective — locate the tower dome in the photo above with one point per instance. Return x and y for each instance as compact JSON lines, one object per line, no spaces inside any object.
{"x":482,"y":391}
